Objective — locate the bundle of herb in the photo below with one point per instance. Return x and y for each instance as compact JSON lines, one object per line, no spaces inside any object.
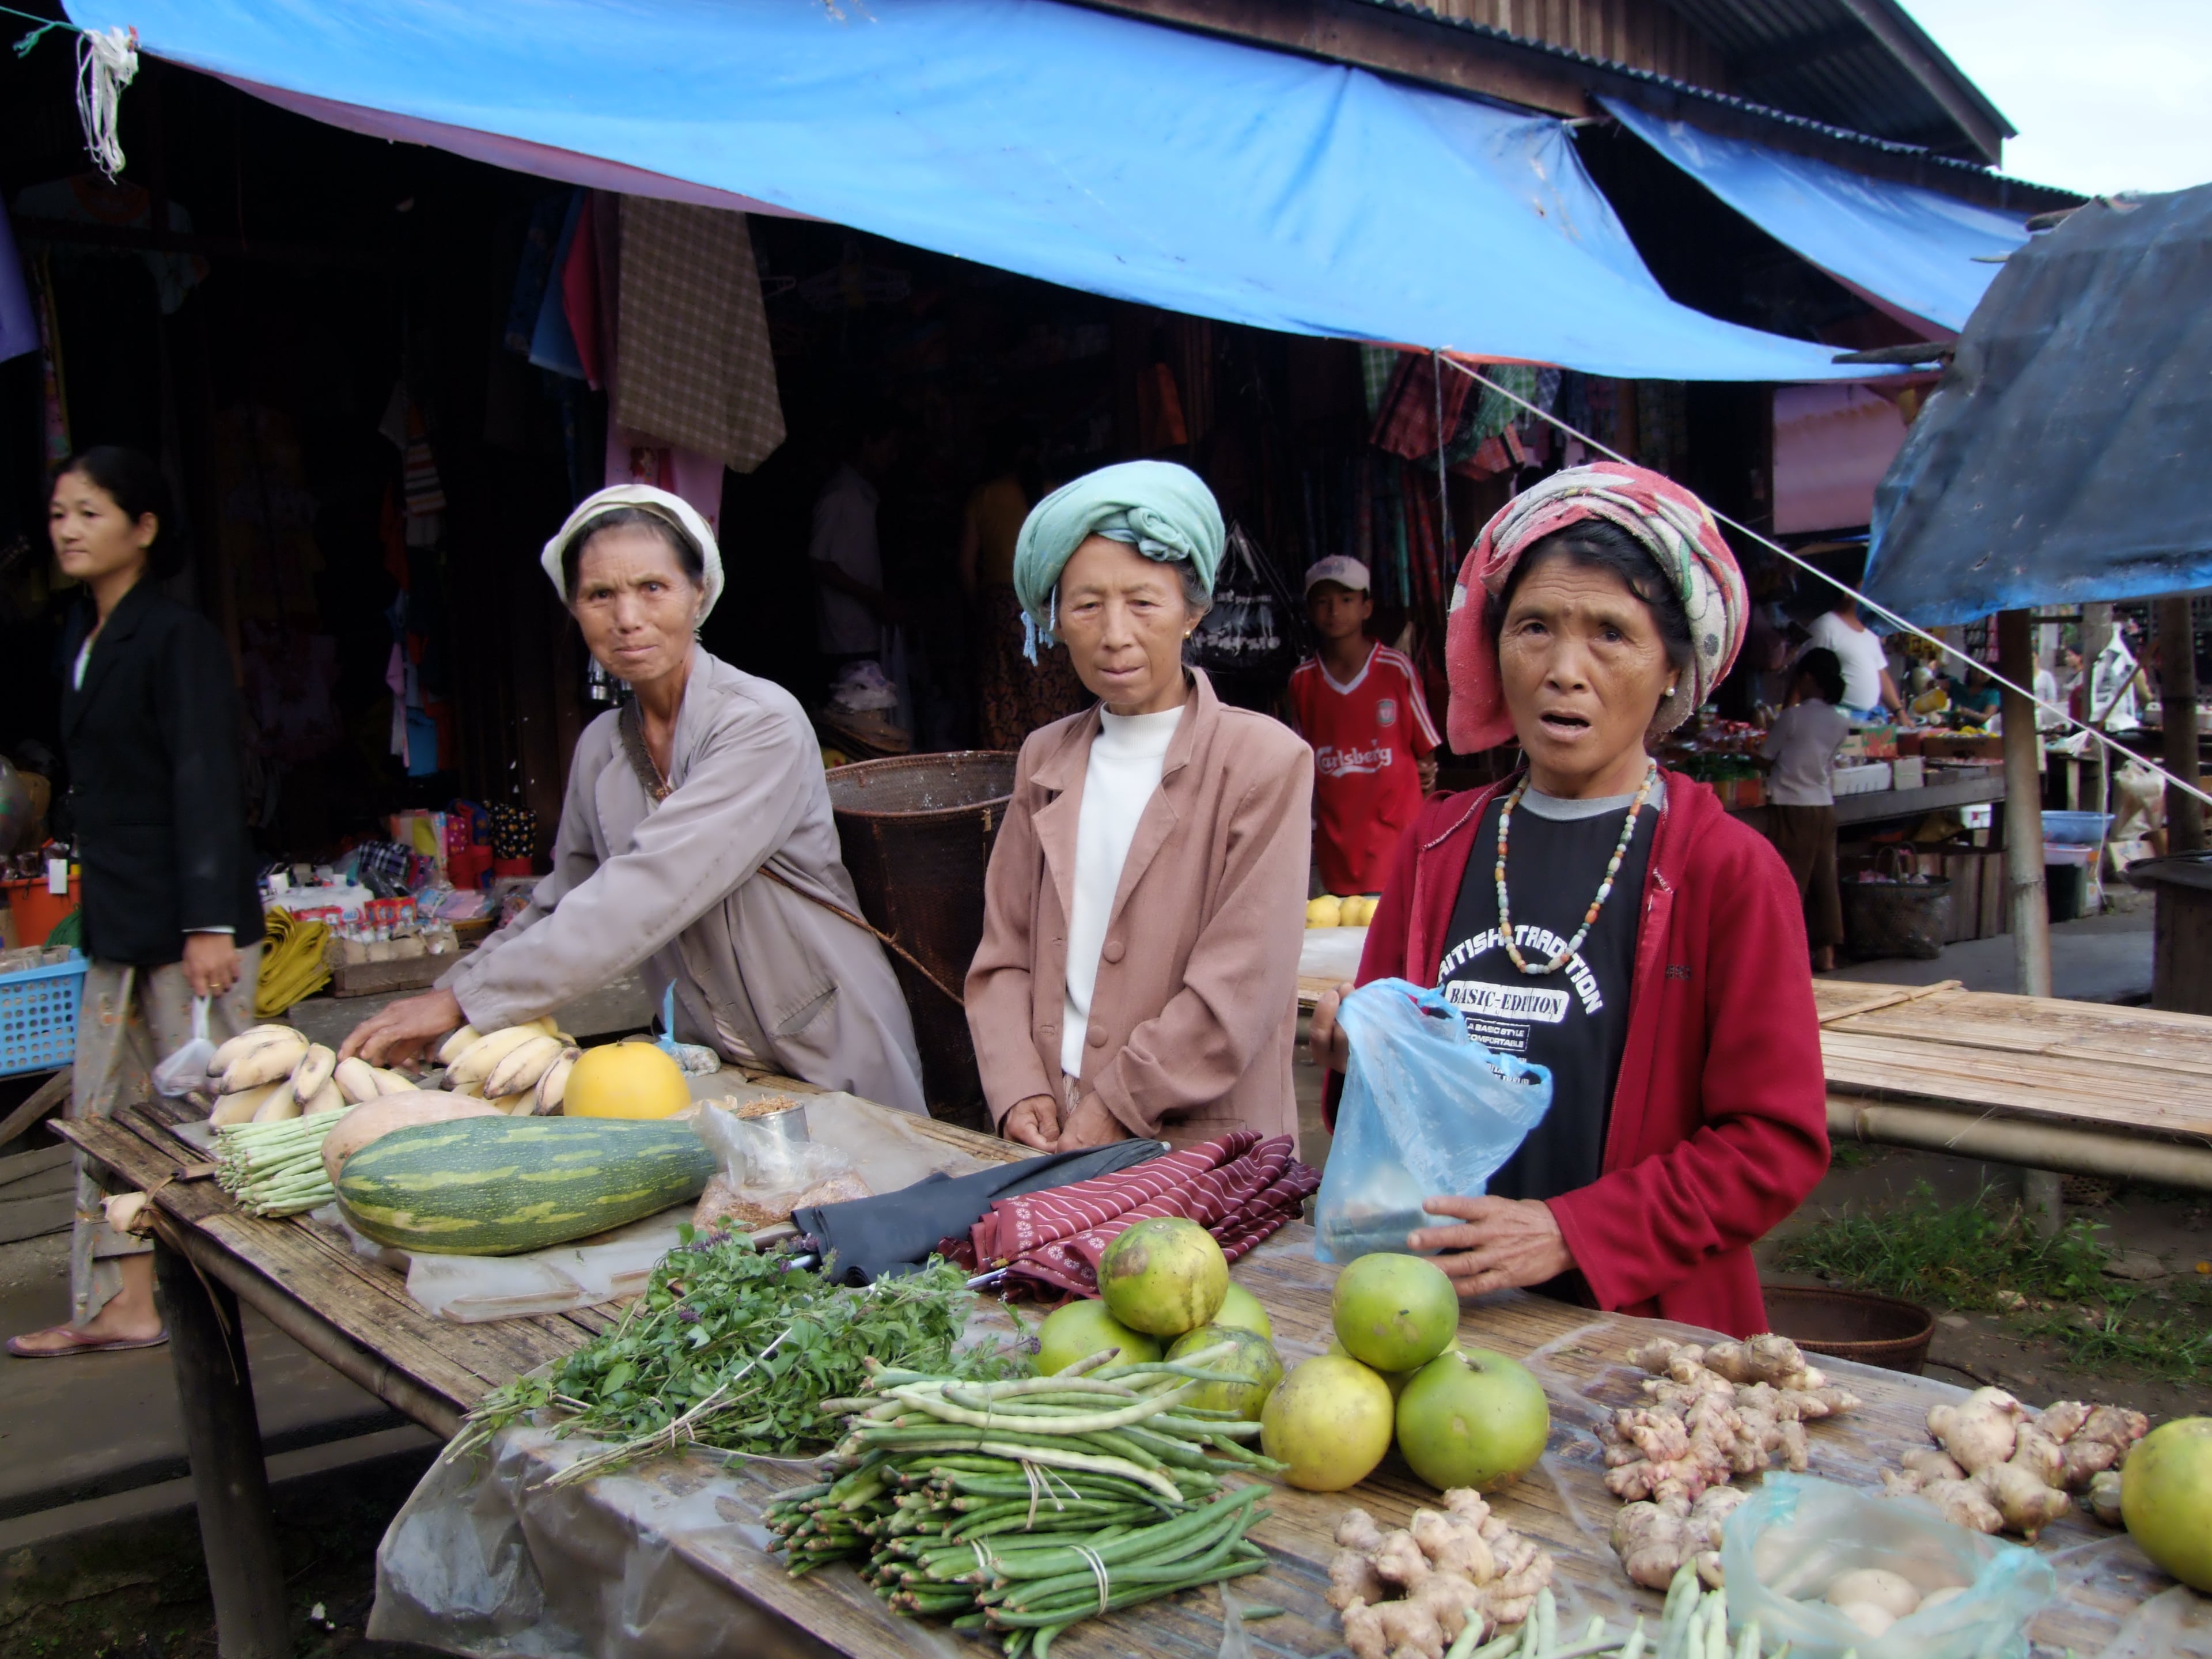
{"x":735,"y":1348}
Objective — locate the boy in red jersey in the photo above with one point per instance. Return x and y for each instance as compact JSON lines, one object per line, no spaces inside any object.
{"x":1360,"y":705}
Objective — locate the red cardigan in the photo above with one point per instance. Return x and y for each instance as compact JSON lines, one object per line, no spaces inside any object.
{"x":1719,"y":1125}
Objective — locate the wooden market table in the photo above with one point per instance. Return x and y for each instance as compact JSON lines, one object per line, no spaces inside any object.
{"x":2084,"y":1088}
{"x":357,"y":1316}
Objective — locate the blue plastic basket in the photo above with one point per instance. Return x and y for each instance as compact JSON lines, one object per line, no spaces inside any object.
{"x":2075,"y":829}
{"x":38,"y":1016}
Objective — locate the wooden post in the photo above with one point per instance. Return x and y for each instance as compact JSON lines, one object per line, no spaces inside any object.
{"x":2177,"y":700}
{"x":2023,"y":862}
{"x":230,"y":1482}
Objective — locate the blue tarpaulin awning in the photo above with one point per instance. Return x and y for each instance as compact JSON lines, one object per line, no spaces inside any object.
{"x":1910,"y":250}
{"x":1096,"y":151}
{"x":2062,"y":459}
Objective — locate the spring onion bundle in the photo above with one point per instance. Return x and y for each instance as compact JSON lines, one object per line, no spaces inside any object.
{"x":276,"y":1168}
{"x":1021,"y":1507}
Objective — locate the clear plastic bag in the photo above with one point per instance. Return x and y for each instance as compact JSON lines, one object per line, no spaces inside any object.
{"x":184,"y":1073}
{"x":767,"y":1173}
{"x":1797,"y":1533}
{"x":1426,"y":1111}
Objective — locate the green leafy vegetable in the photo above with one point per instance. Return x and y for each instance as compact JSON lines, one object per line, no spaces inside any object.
{"x":733,"y":1348}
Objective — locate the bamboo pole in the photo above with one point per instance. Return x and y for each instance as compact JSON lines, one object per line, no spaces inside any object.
{"x":2023,"y":862}
{"x":2176,"y":699}
{"x":2014,"y":1140}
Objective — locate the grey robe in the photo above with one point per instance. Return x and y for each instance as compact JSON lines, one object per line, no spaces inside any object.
{"x":760,"y":972}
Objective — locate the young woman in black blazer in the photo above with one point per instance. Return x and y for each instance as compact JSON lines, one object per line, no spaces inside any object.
{"x":151,"y":725}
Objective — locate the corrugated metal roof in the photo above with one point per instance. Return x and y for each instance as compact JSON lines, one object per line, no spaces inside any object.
{"x":1863,"y":64}
{"x":1861,"y":69}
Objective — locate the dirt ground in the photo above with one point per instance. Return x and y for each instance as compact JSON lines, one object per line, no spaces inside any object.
{"x":139,"y":1591}
{"x":1974,"y":1349}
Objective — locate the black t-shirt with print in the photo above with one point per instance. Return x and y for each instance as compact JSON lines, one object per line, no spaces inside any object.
{"x":1575,"y":1021}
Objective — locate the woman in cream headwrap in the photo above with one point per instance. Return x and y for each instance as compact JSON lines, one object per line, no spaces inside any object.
{"x":695,"y":842}
{"x":1138,"y":973}
{"x":1608,"y":919}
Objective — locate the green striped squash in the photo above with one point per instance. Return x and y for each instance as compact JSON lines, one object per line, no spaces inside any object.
{"x":498,"y":1186}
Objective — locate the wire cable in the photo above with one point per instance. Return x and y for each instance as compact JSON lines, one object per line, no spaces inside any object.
{"x":1880,"y":610}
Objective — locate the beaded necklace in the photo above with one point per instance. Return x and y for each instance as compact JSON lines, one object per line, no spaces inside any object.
{"x":1566,"y":952}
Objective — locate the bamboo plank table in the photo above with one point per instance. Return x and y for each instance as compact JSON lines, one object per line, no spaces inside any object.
{"x":357,"y":1316}
{"x":2081,"y":1087}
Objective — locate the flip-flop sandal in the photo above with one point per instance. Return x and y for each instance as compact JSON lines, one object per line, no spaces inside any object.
{"x":112,"y":1344}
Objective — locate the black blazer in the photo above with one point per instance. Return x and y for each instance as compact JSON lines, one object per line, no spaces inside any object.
{"x":152,"y":741}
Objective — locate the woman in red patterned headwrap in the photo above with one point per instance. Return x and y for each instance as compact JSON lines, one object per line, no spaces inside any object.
{"x":1606,"y":919}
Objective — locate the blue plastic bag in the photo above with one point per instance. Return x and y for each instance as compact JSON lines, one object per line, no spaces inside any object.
{"x":1426,"y":1111}
{"x":1782,"y":1547}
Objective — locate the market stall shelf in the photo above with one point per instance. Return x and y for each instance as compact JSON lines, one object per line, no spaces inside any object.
{"x":693,"y":1528}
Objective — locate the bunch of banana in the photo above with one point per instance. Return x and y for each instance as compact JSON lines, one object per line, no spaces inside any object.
{"x":520,"y":1069}
{"x":273,"y":1072}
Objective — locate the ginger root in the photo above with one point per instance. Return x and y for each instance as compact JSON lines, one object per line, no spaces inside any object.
{"x":2028,"y":1504}
{"x":1981,"y":1433}
{"x":2104,"y":1499}
{"x":1653,"y":1540}
{"x":1457,"y":1565}
{"x":2005,"y":1467}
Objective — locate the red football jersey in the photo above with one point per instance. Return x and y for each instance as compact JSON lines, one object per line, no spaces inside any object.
{"x":1365,"y":737}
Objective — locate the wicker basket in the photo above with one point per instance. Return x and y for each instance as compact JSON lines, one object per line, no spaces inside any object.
{"x":1873,"y":1330}
{"x":1893,"y":917}
{"x":917,"y":832}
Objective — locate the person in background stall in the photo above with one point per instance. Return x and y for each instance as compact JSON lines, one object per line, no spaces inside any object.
{"x":1608,"y":920}
{"x":1979,"y":699}
{"x":2049,"y":698}
{"x":1870,"y":692}
{"x":853,"y":607}
{"x":1142,"y":914}
{"x":695,"y":842}
{"x":1359,"y":704}
{"x":1800,"y":796}
{"x":2116,"y":680}
{"x":1013,"y":696}
{"x":150,"y":728}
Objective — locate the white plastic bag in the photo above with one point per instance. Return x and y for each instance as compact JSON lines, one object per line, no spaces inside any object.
{"x":185,"y":1072}
{"x":1782,"y":1547}
{"x":1426,"y":1111}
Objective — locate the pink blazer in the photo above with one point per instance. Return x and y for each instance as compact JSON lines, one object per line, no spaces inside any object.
{"x":1195,"y":1009}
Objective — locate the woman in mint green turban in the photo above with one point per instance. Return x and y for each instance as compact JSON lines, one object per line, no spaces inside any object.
{"x":1138,"y":973}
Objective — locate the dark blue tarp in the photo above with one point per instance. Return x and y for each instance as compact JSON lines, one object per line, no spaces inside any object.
{"x":2065,"y":457}
{"x":1096,"y":151}
{"x":1908,"y":249}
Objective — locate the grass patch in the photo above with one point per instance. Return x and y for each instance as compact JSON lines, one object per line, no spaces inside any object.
{"x":1985,"y":1255}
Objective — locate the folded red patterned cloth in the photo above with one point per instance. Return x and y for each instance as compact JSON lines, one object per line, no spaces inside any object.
{"x":1240,"y":1189}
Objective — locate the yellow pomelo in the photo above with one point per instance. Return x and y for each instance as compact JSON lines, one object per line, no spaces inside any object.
{"x":2166,"y":1497}
{"x":1248,"y":1375}
{"x":1164,"y":1277}
{"x":1394,"y":1381}
{"x":1330,"y":1421}
{"x":1395,"y":1312}
{"x":625,"y":1079}
{"x":1083,"y":1328}
{"x":1240,"y":1307}
{"x":1324,"y":912}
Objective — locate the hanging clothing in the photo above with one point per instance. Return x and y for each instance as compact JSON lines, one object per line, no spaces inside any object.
{"x":1409,"y":424}
{"x":693,"y":365}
